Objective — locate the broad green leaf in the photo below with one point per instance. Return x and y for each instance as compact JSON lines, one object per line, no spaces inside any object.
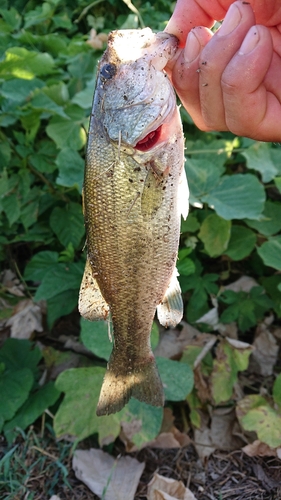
{"x":277,"y":182}
{"x":60,"y":305}
{"x":40,"y":264}
{"x":94,"y":335}
{"x":177,"y":378}
{"x":270,"y":252}
{"x":270,"y":221}
{"x":71,"y":169}
{"x":276,"y":391}
{"x":202,"y":175}
{"x":19,"y":90}
{"x":68,"y":224}
{"x":255,"y":414}
{"x":190,"y":225}
{"x":271,"y":285}
{"x":242,"y":242}
{"x":237,"y":197}
{"x":84,"y":98}
{"x":60,"y":278}
{"x":148,"y":420}
{"x":42,"y":13}
{"x":32,"y":409}
{"x":43,"y":102}
{"x":26,"y":64}
{"x":11,"y":207}
{"x":185,"y":266}
{"x":229,"y":361}
{"x":215,"y":234}
{"x":258,"y":158}
{"x":66,"y":133}
{"x":17,"y":354}
{"x":77,"y":413}
{"x":14,"y":389}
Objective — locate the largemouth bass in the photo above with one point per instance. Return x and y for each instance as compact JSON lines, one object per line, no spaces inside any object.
{"x":134,"y":187}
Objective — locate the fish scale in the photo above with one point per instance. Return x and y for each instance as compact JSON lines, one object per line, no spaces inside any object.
{"x":132,"y":215}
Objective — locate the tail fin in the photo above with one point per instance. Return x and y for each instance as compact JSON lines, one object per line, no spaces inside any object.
{"x":141,"y":382}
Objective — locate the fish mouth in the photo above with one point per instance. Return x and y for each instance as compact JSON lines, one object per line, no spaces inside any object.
{"x":149,"y":141}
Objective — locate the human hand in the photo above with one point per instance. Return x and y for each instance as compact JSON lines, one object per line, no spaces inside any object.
{"x":230,"y":80}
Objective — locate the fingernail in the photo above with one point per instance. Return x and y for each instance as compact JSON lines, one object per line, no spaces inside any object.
{"x":192,"y":48}
{"x":231,"y":21}
{"x":250,"y":41}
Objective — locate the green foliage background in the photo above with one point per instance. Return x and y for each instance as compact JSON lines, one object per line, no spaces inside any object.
{"x":47,"y":75}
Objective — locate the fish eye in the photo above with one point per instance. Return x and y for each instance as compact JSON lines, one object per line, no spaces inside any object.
{"x":108,"y":71}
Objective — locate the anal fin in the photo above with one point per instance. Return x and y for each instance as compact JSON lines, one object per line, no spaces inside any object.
{"x":170,"y":310}
{"x":91,"y":303}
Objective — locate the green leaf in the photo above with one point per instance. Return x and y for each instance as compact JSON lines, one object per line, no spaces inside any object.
{"x":66,"y":133}
{"x":32,"y":409}
{"x":19,"y":90}
{"x":148,"y":420}
{"x":82,"y":387}
{"x":271,"y":285}
{"x":255,"y":414}
{"x":14,"y":389}
{"x":190,"y":225}
{"x":17,"y":354}
{"x":242,"y":242}
{"x":94,"y":335}
{"x":68,"y":224}
{"x":43,"y":102}
{"x":40,"y":264}
{"x":11,"y":207}
{"x":71,"y":169}
{"x":84,"y":98}
{"x":237,"y":197}
{"x":229,"y":361}
{"x":60,"y":305}
{"x":22,"y":63}
{"x":215,"y":234}
{"x":270,"y":220}
{"x":60,"y":278}
{"x":270,"y":252}
{"x":202,"y":175}
{"x":177,"y":378}
{"x":258,"y":158}
{"x":276,"y":391}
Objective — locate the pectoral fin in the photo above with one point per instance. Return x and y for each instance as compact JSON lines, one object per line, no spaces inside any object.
{"x":170,"y":310}
{"x":91,"y":303}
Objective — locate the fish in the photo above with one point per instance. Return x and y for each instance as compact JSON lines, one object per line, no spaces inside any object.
{"x":134,"y":193}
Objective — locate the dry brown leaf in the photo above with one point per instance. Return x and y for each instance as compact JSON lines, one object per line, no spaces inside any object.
{"x":26,"y":320}
{"x":115,"y":479}
{"x":244,"y":284}
{"x":97,"y":41}
{"x":259,"y":449}
{"x":164,"y":488}
{"x":172,"y":341}
{"x":169,"y":436}
{"x":12,"y":284}
{"x":218,"y":431}
{"x":265,"y":352}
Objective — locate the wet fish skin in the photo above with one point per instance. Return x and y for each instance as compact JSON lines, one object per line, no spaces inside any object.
{"x":132,"y":209}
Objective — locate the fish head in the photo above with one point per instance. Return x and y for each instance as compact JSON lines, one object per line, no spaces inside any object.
{"x":137,"y":96}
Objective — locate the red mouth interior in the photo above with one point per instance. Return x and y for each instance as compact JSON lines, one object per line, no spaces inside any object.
{"x":149,"y":140}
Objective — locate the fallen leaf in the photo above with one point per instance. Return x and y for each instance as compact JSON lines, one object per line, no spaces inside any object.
{"x":12,"y":284}
{"x":97,"y":41}
{"x":243,"y":284}
{"x":259,"y":449}
{"x":55,"y":497}
{"x":108,"y":477}
{"x":173,"y":341}
{"x":26,"y":320}
{"x":217,"y":431}
{"x":265,"y":353}
{"x":165,"y":488}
